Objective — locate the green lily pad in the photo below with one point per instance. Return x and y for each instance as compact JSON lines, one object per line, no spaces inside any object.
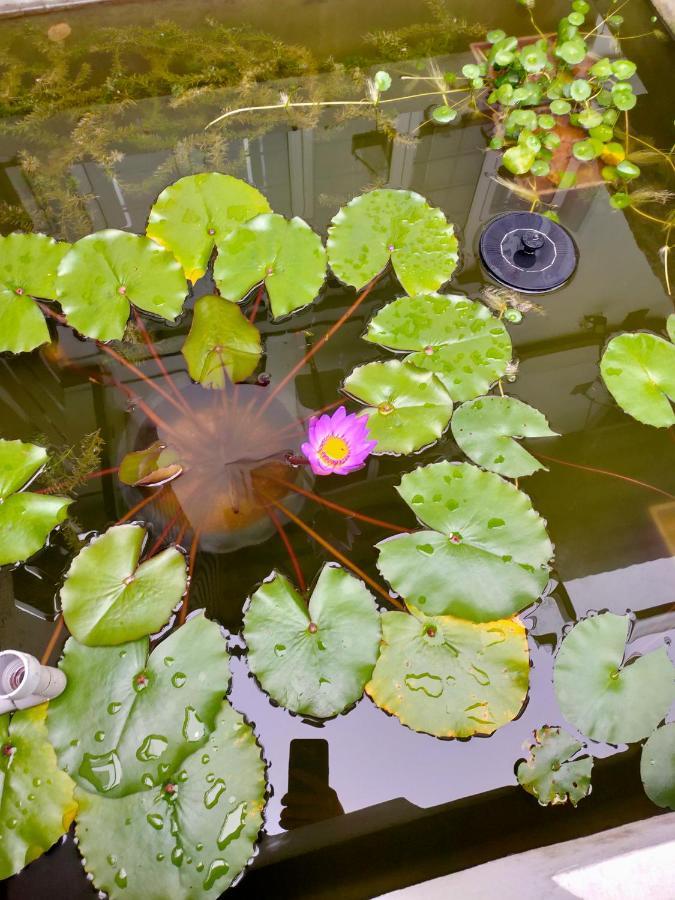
{"x":448,"y":677}
{"x":25,"y":518}
{"x":456,"y":338}
{"x":286,"y":255}
{"x":657,"y":766}
{"x":221,"y":341}
{"x":400,"y":226}
{"x":28,"y":264}
{"x":109,"y":598}
{"x":191,"y":840}
{"x":157,"y":464}
{"x":195,"y":213}
{"x":488,"y":555}
{"x":550,"y":773}
{"x":639,"y":371}
{"x":408,"y":409}
{"x":315,"y":658}
{"x":599,"y":694}
{"x":37,"y":798}
{"x":670,"y":327}
{"x":485,"y":430}
{"x":126,"y":719}
{"x":105,"y":272}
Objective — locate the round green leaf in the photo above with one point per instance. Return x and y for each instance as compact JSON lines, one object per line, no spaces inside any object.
{"x":471,"y":70}
{"x":408,"y":409}
{"x":616,"y":21}
{"x":619,"y":200}
{"x":639,"y":371}
{"x":198,"y":211}
{"x":581,"y":6}
{"x":400,"y":226}
{"x":485,"y":430}
{"x":221,"y":341}
{"x":488,"y":555}
{"x":382,"y":80}
{"x":623,"y":69}
{"x":125,"y":719}
{"x":155,"y":465}
{"x":108,"y":598}
{"x":190,"y":841}
{"x":603,"y":696}
{"x":590,"y":118}
{"x":550,"y":773}
{"x":602,"y":69}
{"x":560,"y":107}
{"x":623,"y":96}
{"x":576,"y":18}
{"x":657,"y":766}
{"x":518,"y":160}
{"x":627,"y":170}
{"x":37,"y":798}
{"x":580,"y":89}
{"x":496,"y":35}
{"x":572,"y":51}
{"x":448,"y":677}
{"x":286,"y":255}
{"x":540,"y":168}
{"x":28,"y":264}
{"x":601,"y":132}
{"x":19,"y":463}
{"x":546,"y":122}
{"x":313,"y":659}
{"x":586,"y":150}
{"x":105,"y":272}
{"x":456,"y":338}
{"x":443,"y":114}
{"x":532,"y":59}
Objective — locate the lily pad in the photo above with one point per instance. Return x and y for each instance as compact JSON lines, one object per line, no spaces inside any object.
{"x":408,"y":409}
{"x":315,"y":658}
{"x":221,"y":341}
{"x":657,"y":766}
{"x":448,"y":677}
{"x":28,"y":264}
{"x":550,"y":773}
{"x":195,"y":213}
{"x":488,"y":557}
{"x":456,"y":338}
{"x":286,"y":255}
{"x":157,"y":464}
{"x":602,"y":695}
{"x":37,"y":798}
{"x":192,"y":835}
{"x":25,"y":518}
{"x":400,"y":226}
{"x":126,"y":719}
{"x":485,"y":430}
{"x":108,"y":598}
{"x":670,"y":327}
{"x":105,"y":272}
{"x":639,"y":371}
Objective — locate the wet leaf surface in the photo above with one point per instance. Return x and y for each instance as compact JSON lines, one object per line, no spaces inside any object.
{"x":639,"y":371}
{"x":400,"y":226}
{"x":407,"y":409}
{"x":221,"y":342}
{"x":550,"y":773}
{"x":456,"y":338}
{"x":603,"y":696}
{"x":127,"y":719}
{"x":155,"y":465}
{"x":488,"y":555}
{"x":657,"y":766}
{"x":448,"y":677}
{"x":109,"y":598}
{"x":313,"y":659}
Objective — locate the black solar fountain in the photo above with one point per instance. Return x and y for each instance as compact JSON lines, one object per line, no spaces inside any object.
{"x":527,"y":252}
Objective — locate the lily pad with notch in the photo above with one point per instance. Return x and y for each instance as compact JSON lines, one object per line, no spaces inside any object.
{"x":458,"y":339}
{"x":553,"y":771}
{"x":28,"y":265}
{"x":109,"y":597}
{"x":408,"y":409}
{"x":26,"y":518}
{"x":286,"y":256}
{"x":107,"y":272}
{"x":390,"y":225}
{"x":128,"y":717}
{"x":195,"y":213}
{"x":485,"y":429}
{"x":448,"y":677}
{"x":488,"y":555}
{"x":37,"y":797}
{"x":639,"y":371}
{"x":657,"y":766}
{"x":602,"y":693}
{"x":313,"y":658}
{"x":222,"y":342}
{"x":157,"y":464}
{"x":190,"y":836}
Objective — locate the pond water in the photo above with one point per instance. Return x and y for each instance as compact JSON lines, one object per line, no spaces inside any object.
{"x":360,"y":779}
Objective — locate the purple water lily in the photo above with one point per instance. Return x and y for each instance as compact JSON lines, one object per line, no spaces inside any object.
{"x":337,"y":444}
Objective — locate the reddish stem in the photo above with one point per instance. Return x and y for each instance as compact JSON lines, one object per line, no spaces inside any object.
{"x":139,"y":506}
{"x":48,"y":311}
{"x":167,"y":528}
{"x":149,"y":412}
{"x":300,"y":578}
{"x":136,"y":371}
{"x":155,"y":355}
{"x":317,"y":412}
{"x":257,"y":302}
{"x":191,"y":569}
{"x":53,"y":640}
{"x":99,"y":474}
{"x":644,"y":484}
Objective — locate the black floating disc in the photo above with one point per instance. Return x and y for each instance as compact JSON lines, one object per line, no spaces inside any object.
{"x":527,"y":252}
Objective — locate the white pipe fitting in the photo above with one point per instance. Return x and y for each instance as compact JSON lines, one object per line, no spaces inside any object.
{"x":24,"y":682}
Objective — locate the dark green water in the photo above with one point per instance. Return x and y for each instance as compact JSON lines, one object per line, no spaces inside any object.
{"x":103,"y":166}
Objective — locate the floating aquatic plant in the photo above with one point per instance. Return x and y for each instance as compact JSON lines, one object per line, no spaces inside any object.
{"x":337,"y":444}
{"x":657,"y":766}
{"x":221,"y":343}
{"x":554,"y":772}
{"x":157,"y":464}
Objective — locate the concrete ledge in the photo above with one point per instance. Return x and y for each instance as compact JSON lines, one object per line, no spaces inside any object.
{"x":30,"y":7}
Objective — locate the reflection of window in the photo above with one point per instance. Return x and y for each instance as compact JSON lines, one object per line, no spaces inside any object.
{"x":373,"y":150}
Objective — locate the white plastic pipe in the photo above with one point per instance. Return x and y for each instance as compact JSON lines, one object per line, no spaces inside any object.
{"x":24,"y":682}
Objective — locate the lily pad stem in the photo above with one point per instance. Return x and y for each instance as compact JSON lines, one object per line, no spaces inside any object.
{"x":257,"y":302}
{"x":140,"y":324}
{"x":644,"y":484}
{"x":194,"y":547}
{"x":295,"y":562}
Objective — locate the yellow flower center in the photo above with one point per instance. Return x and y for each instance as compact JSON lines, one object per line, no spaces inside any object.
{"x":333,"y":451}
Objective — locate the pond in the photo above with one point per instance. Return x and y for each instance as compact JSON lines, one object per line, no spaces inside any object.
{"x":105,"y":108}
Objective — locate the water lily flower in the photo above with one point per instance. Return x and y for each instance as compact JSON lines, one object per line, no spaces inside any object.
{"x":337,"y":444}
